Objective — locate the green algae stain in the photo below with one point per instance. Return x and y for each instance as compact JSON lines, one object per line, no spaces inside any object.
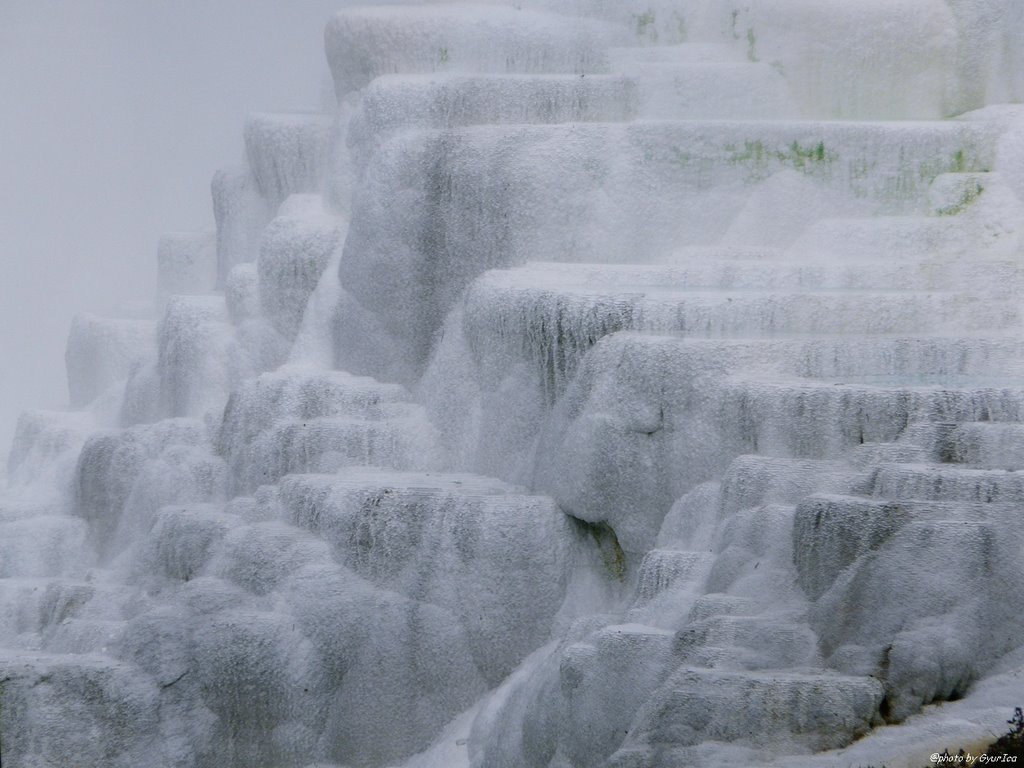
{"x":960,"y":162}
{"x":612,"y":556}
{"x":970,"y":193}
{"x":681,"y":27}
{"x":796,"y":155}
{"x":645,"y":25}
{"x":607,"y":542}
{"x":680,"y":157}
{"x":753,"y":153}
{"x":751,"y":45}
{"x":801,"y":157}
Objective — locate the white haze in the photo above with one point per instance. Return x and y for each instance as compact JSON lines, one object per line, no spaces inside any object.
{"x":114,"y":116}
{"x":619,"y":383}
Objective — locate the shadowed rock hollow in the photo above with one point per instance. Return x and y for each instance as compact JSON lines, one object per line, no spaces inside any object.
{"x":633,"y":384}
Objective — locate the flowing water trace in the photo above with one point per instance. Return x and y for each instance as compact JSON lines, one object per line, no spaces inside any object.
{"x":601,"y":384}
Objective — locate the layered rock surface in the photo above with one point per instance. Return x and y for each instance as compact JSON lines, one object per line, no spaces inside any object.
{"x":602,"y":384}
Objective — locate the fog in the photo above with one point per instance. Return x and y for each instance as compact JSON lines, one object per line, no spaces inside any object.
{"x":576,"y":383}
{"x":115,"y":115}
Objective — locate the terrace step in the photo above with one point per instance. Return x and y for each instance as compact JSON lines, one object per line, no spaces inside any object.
{"x":830,"y":532}
{"x":746,"y":642}
{"x":495,"y":555}
{"x":302,"y":420}
{"x":813,"y":711}
{"x":365,"y":42}
{"x":946,"y":482}
{"x":555,"y":194}
{"x":986,"y":444}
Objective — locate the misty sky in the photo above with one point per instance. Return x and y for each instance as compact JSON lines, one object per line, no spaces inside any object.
{"x":114,"y":116}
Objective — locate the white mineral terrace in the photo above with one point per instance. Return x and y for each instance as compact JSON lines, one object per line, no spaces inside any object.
{"x":603,"y":384}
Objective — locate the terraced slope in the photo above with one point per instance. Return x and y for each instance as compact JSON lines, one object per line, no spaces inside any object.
{"x":625,"y":384}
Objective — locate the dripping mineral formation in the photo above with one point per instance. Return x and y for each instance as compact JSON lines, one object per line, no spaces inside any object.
{"x":627,"y":384}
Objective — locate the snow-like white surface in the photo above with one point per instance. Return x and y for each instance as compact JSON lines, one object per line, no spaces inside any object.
{"x":296,"y":248}
{"x":363,"y":43}
{"x":286,"y":153}
{"x":603,"y":384}
{"x":631,"y":192}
